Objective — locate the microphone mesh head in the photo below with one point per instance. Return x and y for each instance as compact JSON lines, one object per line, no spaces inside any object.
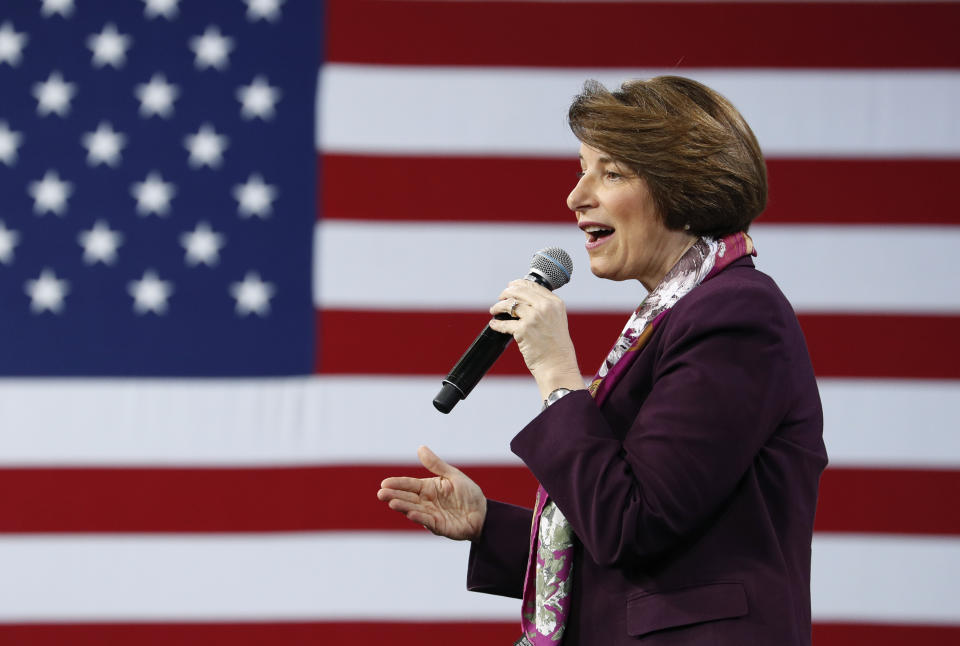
{"x":554,"y":264}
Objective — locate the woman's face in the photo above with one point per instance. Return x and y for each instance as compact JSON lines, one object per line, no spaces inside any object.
{"x":626,"y":238}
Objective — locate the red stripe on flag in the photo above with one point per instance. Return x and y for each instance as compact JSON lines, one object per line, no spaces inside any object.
{"x":841,"y":345}
{"x":896,"y":346}
{"x":535,"y":189}
{"x":837,"y":634}
{"x":802,"y":191}
{"x":286,"y":499}
{"x":473,"y":633}
{"x":168,"y":500}
{"x":861,"y":191}
{"x":864,"y":500}
{"x":648,"y":34}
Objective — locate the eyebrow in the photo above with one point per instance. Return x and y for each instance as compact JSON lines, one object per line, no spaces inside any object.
{"x":602,"y":160}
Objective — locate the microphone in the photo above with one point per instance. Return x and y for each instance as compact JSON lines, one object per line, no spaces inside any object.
{"x":551,"y":268}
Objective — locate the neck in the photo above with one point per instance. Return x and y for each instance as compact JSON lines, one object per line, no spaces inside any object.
{"x":675,"y":245}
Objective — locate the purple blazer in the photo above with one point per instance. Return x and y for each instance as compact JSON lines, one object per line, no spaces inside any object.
{"x":692,"y":490}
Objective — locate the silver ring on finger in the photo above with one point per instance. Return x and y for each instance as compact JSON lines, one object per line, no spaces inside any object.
{"x":513,"y":309}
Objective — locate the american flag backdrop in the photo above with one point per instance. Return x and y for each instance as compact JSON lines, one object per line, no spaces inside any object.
{"x":241,"y":242}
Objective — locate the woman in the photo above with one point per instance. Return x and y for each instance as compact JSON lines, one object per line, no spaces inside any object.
{"x":678,"y":490}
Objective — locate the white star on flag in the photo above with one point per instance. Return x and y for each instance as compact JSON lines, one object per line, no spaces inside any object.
{"x":9,"y":143}
{"x":104,"y":145}
{"x":150,"y":294}
{"x":202,"y":245}
{"x":263,"y":9}
{"x":206,"y":147}
{"x":157,"y":96}
{"x":258,"y":99}
{"x":109,"y":47}
{"x":62,"y":7}
{"x":153,"y":195}
{"x":212,"y":49}
{"x":8,"y":240}
{"x":100,"y":244}
{"x":47,"y":292}
{"x":11,"y":44}
{"x":54,"y":95}
{"x":50,"y":194}
{"x":255,"y":197}
{"x":165,"y":8}
{"x":252,"y":295}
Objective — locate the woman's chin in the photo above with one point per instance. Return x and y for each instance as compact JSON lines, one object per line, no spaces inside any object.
{"x":601,"y":269}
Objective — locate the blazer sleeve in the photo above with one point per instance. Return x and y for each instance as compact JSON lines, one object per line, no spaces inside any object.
{"x":498,"y":559}
{"x":716,"y":398}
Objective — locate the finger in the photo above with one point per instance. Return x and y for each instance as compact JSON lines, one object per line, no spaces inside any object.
{"x":434,"y":464}
{"x":404,"y":483}
{"x":512,"y":291}
{"x":414,"y":513}
{"x":422,"y":519}
{"x":508,"y":309}
{"x":523,"y":299}
{"x":507,"y":326}
{"x":501,"y":307}
{"x":386,"y":495}
{"x":524,"y":286}
{"x":403,"y":506}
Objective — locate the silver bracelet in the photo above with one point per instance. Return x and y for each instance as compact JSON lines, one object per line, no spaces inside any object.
{"x":555,"y":396}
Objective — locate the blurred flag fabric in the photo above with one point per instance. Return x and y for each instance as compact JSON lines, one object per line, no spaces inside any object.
{"x":241,"y":243}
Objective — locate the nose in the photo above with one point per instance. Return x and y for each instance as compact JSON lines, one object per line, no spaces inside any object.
{"x":582,"y":196}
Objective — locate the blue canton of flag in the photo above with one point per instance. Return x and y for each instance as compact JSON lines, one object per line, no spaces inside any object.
{"x":157,"y":187}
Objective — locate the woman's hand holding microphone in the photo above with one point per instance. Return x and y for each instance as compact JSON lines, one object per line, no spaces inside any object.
{"x":541,"y":333}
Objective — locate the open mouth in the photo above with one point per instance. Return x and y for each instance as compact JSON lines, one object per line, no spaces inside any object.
{"x":595,"y":232}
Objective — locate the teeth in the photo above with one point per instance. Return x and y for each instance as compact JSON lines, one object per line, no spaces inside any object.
{"x":595,"y":229}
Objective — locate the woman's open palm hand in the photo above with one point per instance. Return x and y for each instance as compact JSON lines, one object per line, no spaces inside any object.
{"x":449,"y":504}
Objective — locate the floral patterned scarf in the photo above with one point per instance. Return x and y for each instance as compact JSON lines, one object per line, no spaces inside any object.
{"x":548,"y":581}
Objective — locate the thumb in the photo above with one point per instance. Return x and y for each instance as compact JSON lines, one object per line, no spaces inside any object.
{"x":433,"y":463}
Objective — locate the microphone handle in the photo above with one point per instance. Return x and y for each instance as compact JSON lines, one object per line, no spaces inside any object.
{"x":476,"y":361}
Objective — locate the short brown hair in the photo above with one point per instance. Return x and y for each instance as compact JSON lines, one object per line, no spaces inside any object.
{"x":700,"y":159}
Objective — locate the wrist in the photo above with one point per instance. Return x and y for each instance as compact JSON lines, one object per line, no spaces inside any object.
{"x":571,"y":380}
{"x":478,"y":528}
{"x":560,"y":370}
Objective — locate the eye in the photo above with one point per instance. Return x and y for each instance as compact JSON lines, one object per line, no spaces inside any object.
{"x":580,"y":174}
{"x":612,"y":174}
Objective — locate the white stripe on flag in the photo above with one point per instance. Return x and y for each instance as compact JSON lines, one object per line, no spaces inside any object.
{"x":327,"y":575}
{"x":387,"y":265}
{"x":318,"y":575}
{"x":891,"y":423}
{"x":885,"y":579}
{"x":462,"y":110}
{"x":331,"y":420}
